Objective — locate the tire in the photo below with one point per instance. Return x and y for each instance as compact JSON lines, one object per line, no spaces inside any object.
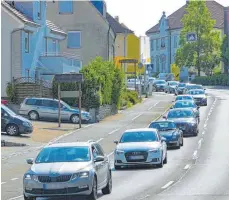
{"x":166,"y":160}
{"x":12,"y":130}
{"x":94,"y":195}
{"x":108,"y":188}
{"x":29,"y":198}
{"x":196,"y":133}
{"x":117,"y":167}
{"x":75,"y":119}
{"x":161,"y":164}
{"x":33,"y":115}
{"x":182,"y":143}
{"x":178,"y":147}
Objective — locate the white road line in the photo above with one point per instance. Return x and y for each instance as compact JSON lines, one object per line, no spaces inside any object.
{"x":144,"y":197}
{"x":113,"y":131}
{"x":99,"y":140}
{"x":203,"y":132}
{"x":110,"y":154}
{"x":187,"y":167}
{"x":14,"y":179}
{"x":205,"y":125}
{"x":136,"y":117}
{"x":16,"y":197}
{"x":3,"y":183}
{"x":200,"y":143}
{"x":194,"y":156}
{"x":168,"y":184}
{"x":153,"y":106}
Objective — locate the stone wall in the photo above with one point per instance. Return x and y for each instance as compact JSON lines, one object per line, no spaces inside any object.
{"x":103,"y":112}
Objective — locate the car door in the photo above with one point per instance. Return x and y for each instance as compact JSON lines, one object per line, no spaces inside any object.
{"x":164,"y":146}
{"x":4,"y":119}
{"x":105,"y":165}
{"x":98,"y":166}
{"x":46,"y":109}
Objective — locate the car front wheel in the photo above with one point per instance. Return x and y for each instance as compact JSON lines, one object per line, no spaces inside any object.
{"x":12,"y":130}
{"x":33,"y":115}
{"x":75,"y":119}
{"x":165,"y":160}
{"x":108,"y":188}
{"x":160,"y":165}
{"x":94,"y":195}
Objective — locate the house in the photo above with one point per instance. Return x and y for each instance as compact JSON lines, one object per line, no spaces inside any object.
{"x":30,"y":43}
{"x":164,"y":36}
{"x":88,"y":32}
{"x":127,"y":44}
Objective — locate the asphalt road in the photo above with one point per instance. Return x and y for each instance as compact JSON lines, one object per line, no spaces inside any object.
{"x":198,"y":171}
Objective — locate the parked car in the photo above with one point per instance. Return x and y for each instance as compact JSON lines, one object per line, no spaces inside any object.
{"x":170,"y":86}
{"x":184,"y":97}
{"x":180,"y":88}
{"x":139,"y":147}
{"x":192,"y":87}
{"x":188,"y":104}
{"x":169,"y":130}
{"x":38,"y":108}
{"x":4,"y":102}
{"x":185,"y":119}
{"x":68,"y":169}
{"x":199,"y":96}
{"x":131,"y":83}
{"x":14,"y":124}
{"x":159,"y":85}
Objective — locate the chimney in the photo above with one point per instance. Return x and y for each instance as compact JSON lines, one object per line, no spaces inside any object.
{"x":117,"y":18}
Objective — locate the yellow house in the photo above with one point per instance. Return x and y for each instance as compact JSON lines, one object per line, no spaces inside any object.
{"x":127,"y":44}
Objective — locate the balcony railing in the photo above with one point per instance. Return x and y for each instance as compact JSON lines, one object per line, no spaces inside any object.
{"x":57,"y":54}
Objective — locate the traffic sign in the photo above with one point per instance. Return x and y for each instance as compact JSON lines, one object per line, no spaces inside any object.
{"x":68,"y":78}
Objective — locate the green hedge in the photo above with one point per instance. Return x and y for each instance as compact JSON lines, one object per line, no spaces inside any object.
{"x":129,"y":98}
{"x":216,"y":80}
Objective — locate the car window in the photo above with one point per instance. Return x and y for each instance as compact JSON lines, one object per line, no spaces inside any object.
{"x":196,"y":92}
{"x":38,"y":102}
{"x":165,"y":125}
{"x":54,"y":104}
{"x":31,"y":102}
{"x":47,"y":103}
{"x":8,"y":111}
{"x":184,"y":104}
{"x":95,"y":152}
{"x":181,"y":85}
{"x":144,"y":136}
{"x":181,"y":114}
{"x":99,"y":149}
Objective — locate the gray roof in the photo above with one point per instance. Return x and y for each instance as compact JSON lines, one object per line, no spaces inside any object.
{"x":18,"y":14}
{"x":174,"y":20}
{"x":54,"y":28}
{"x":116,"y":26}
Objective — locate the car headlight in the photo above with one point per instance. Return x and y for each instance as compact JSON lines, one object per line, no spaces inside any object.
{"x":80,"y":175}
{"x":31,"y":177}
{"x":154,"y":151}
{"x":25,"y":124}
{"x":174,"y":136}
{"x":119,"y":152}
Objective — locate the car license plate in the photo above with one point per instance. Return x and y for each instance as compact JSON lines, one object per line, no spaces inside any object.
{"x":51,"y":186}
{"x":136,"y":157}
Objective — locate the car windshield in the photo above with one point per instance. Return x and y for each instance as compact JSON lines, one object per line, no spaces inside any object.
{"x":8,"y":111}
{"x":65,"y":104}
{"x":159,"y":82}
{"x":181,"y":85}
{"x":63,"y":154}
{"x":184,"y":104}
{"x":140,"y":136}
{"x":180,"y":114}
{"x":191,"y":87}
{"x":173,"y":83}
{"x":163,"y":125}
{"x":196,"y":92}
{"x":183,"y":98}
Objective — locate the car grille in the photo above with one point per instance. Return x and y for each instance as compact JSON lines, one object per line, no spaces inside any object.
{"x":70,"y":190}
{"x":136,"y":153}
{"x":48,"y":179}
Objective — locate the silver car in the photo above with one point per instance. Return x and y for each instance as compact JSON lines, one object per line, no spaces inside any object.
{"x":66,"y":169}
{"x":46,"y":108}
{"x":139,"y":147}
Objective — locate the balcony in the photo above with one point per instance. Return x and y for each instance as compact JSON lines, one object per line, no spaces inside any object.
{"x":58,"y":63}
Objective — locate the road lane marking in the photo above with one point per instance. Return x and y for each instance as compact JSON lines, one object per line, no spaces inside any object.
{"x":3,"y":183}
{"x":168,"y":184}
{"x":187,"y":167}
{"x":114,"y":131}
{"x":203,"y":132}
{"x":194,"y":156}
{"x":205,"y":125}
{"x":14,"y":179}
{"x":16,"y":197}
{"x":99,"y":140}
{"x":136,"y":117}
{"x":110,"y":154}
{"x":144,"y":197}
{"x":200,"y":143}
{"x":153,"y":106}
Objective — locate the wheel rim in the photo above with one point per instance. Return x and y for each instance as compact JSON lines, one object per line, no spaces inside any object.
{"x":33,"y":115}
{"x":75,"y":119}
{"x":11,"y":130}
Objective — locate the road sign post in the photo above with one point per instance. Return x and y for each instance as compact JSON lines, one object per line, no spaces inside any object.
{"x":59,"y":116}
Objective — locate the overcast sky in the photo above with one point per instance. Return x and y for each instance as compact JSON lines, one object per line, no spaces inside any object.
{"x":141,"y":15}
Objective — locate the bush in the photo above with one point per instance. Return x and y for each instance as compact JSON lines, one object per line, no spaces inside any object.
{"x":129,"y":98}
{"x":216,"y":80}
{"x":11,"y":92}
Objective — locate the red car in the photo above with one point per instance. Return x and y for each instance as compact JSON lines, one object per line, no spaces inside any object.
{"x":4,"y":102}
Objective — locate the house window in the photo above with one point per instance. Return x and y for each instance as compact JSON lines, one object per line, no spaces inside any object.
{"x":65,"y":7}
{"x":158,"y":45}
{"x":152,"y":45}
{"x":27,"y":42}
{"x":163,"y":63}
{"x":162,"y":42}
{"x":74,"y":39}
{"x":54,"y":42}
{"x":157,"y":64}
{"x":39,"y":10}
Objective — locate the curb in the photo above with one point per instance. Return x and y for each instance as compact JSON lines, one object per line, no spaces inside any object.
{"x":11,"y":144}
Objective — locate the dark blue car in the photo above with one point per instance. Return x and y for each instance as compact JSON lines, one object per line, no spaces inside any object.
{"x":168,"y":130}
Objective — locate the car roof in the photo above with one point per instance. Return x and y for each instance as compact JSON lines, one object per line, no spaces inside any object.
{"x":184,"y":95}
{"x":141,"y":129}
{"x":41,"y":98}
{"x":174,"y":109}
{"x":183,"y":100}
{"x":71,"y":144}
{"x":161,"y":121}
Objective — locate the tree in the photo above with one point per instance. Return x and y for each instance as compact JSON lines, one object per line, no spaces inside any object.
{"x":198,"y":20}
{"x":225,"y":53}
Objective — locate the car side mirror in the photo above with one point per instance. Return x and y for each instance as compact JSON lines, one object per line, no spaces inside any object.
{"x":164,"y":117}
{"x":99,"y":159}
{"x":116,"y":141}
{"x":171,"y":107}
{"x":204,"y":89}
{"x":30,"y":161}
{"x":198,"y":107}
{"x":163,"y":139}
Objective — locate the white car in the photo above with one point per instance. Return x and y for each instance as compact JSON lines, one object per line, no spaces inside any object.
{"x":139,"y":147}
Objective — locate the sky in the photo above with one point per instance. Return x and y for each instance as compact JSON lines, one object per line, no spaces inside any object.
{"x":141,"y":15}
